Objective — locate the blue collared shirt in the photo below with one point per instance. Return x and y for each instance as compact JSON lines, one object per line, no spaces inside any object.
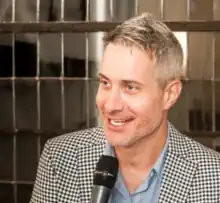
{"x":148,"y":191}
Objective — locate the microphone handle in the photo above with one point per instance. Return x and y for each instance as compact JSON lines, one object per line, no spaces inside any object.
{"x":100,"y":194}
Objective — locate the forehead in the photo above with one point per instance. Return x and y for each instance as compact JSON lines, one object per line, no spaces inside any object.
{"x":122,"y":62}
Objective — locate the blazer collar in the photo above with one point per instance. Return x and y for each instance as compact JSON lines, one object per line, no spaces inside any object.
{"x":88,"y":157}
{"x":179,"y":170}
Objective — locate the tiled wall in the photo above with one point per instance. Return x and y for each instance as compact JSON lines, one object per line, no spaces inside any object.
{"x":44,"y":91}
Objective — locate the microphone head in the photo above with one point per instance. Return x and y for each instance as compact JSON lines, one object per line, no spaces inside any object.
{"x":106,"y":171}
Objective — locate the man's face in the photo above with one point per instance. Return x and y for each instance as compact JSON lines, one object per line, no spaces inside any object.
{"x":129,"y":99}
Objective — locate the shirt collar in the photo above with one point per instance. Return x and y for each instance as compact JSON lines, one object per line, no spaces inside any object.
{"x":157,"y":166}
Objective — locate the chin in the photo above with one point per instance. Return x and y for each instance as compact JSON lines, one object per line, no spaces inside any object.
{"x":120,"y":141}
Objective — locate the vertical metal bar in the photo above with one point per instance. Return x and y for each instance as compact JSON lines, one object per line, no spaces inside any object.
{"x":187,"y":109}
{"x":38,"y":81}
{"x":112,"y":5}
{"x":213,"y":87}
{"x":14,"y":109}
{"x":188,"y":9}
{"x":187,"y":63}
{"x":87,"y":68}
{"x":213,"y":106}
{"x":213,"y":80}
{"x":203,"y":107}
{"x":162,"y":9}
{"x":136,"y":7}
{"x":63,"y":108}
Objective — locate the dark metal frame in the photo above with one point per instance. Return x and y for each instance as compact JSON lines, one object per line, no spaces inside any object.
{"x":83,"y":26}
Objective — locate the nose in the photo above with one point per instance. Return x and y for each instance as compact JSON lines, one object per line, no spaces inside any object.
{"x":113,"y":102}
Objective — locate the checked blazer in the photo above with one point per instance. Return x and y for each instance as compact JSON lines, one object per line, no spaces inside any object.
{"x":65,"y":171}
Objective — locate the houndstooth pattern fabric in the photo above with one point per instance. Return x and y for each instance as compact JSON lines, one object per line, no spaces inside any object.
{"x":65,"y":172}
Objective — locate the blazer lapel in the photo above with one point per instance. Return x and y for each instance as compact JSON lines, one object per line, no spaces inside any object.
{"x":177,"y":178}
{"x":87,"y":159}
{"x":178,"y":170}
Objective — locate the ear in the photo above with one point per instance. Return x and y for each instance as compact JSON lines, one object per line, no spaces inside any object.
{"x":172,"y":93}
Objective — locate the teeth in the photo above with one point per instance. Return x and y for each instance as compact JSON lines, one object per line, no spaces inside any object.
{"x":117,"y":122}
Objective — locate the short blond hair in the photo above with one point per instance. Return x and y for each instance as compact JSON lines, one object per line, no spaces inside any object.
{"x":157,"y":39}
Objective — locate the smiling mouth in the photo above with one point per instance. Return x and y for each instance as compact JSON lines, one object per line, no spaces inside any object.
{"x":119,"y":122}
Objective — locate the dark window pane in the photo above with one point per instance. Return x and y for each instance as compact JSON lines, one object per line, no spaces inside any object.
{"x":77,"y":113}
{"x":6,"y":115}
{"x":75,"y":10}
{"x":50,"y":10}
{"x":200,"y":105}
{"x":24,"y":193}
{"x":25,"y":56}
{"x":200,"y":63}
{"x":50,"y":55}
{"x":180,"y":108}
{"x":6,"y":156}
{"x":50,"y":69}
{"x":6,"y":193}
{"x":93,"y":111}
{"x":27,"y":158}
{"x":6,"y":55}
{"x":74,"y":67}
{"x":75,"y":104}
{"x":44,"y":10}
{"x":25,"y":11}
{"x":26,"y":104}
{"x":201,"y":10}
{"x":50,"y":105}
{"x":74,"y":55}
{"x":6,"y":8}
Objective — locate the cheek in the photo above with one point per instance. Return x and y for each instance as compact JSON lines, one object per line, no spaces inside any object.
{"x":140,"y":107}
{"x":144,"y":107}
{"x":100,"y":99}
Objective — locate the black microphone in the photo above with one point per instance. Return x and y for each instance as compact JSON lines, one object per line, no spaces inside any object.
{"x":104,"y":179}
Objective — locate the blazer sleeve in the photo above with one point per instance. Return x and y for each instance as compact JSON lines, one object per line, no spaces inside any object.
{"x":44,"y":190}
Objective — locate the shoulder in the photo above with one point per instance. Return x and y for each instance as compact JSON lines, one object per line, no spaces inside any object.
{"x":206,"y":178}
{"x":192,"y":150}
{"x":68,"y":144}
{"x":204,"y":160}
{"x":204,"y":156}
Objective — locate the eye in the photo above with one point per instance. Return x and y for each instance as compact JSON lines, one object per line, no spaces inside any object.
{"x":131,"y":88}
{"x":104,"y":83}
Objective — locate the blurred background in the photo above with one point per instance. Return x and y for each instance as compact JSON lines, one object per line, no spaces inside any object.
{"x":48,"y":80}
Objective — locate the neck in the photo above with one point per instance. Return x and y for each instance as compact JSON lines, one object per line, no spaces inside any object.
{"x":144,"y":153}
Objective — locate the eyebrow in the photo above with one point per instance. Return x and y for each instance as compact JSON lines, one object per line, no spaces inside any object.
{"x":103,"y":76}
{"x":124,"y":81}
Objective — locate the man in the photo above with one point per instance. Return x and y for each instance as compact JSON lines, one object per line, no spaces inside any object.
{"x":139,"y":82}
